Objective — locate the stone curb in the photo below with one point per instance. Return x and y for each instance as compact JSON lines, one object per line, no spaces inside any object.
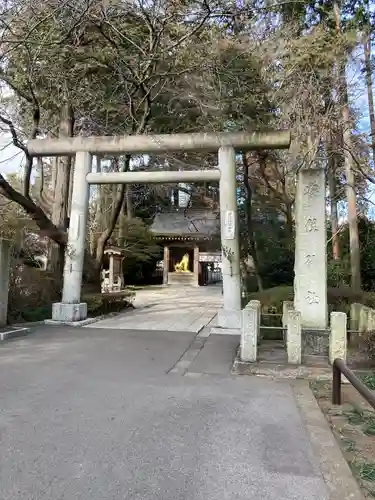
{"x":13,"y":333}
{"x":28,"y":323}
{"x":280,"y":371}
{"x":87,"y":321}
{"x":334,"y":468}
{"x":275,"y":371}
{"x":216,"y":330}
{"x":84,"y":322}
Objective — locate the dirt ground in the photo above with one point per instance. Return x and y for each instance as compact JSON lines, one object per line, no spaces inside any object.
{"x":353,"y":424}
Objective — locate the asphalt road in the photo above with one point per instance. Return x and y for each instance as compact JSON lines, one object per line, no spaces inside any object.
{"x":89,"y":414}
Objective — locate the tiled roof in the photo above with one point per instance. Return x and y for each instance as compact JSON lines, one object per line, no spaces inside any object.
{"x":193,"y":222}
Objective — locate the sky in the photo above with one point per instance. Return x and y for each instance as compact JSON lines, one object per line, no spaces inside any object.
{"x":10,"y":156}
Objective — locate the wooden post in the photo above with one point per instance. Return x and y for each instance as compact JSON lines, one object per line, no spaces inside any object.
{"x":336,"y":385}
{"x":4,"y":279}
{"x":166,"y":265}
{"x":196,"y":265}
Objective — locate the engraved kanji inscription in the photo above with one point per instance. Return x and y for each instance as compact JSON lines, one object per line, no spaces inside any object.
{"x":311,"y":224}
{"x":311,"y":190}
{"x":312,"y":298}
{"x":309,"y":258}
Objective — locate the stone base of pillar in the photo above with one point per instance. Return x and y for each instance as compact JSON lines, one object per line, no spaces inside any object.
{"x":227,"y":318}
{"x":69,"y":313}
{"x":182,"y":279}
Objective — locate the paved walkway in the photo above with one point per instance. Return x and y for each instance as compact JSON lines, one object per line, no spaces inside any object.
{"x":173,"y":309}
{"x":93,"y":414}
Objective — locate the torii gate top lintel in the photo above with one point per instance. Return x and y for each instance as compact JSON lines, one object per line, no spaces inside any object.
{"x":205,"y":141}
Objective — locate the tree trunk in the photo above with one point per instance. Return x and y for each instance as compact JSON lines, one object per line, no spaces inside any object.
{"x":251,"y":245}
{"x":355,"y":261}
{"x":95,"y":226}
{"x":331,"y":174}
{"x":61,"y":193}
{"x":126,"y":212}
{"x":129,"y":201}
{"x":288,"y":212}
{"x":370,"y":95}
{"x":116,"y":209}
{"x":122,"y":225}
{"x":91,"y":278}
{"x":355,"y":256}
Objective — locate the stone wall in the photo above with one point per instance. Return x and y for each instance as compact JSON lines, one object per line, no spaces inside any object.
{"x":362,"y":318}
{"x":324,"y":342}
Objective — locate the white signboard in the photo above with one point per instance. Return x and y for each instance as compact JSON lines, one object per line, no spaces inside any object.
{"x":209,"y":257}
{"x":183,"y":196}
{"x":229,"y":225}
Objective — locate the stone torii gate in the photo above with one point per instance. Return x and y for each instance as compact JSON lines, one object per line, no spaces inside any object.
{"x":71,"y":309}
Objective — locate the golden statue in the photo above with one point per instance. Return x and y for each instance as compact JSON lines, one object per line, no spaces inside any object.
{"x":183,"y":266}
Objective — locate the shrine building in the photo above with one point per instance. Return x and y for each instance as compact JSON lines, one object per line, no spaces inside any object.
{"x":191,"y":241}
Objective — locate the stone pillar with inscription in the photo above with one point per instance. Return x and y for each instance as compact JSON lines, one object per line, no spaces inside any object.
{"x":166,"y":265}
{"x":310,"y":280}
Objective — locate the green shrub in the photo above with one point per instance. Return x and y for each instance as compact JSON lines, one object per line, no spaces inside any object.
{"x":339,"y":299}
{"x":272,"y":298}
{"x":31,"y":293}
{"x":366,"y":229}
{"x":30,"y":314}
{"x":105,"y":303}
{"x":338,"y":274}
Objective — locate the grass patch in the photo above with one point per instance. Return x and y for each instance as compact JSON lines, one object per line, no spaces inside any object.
{"x":366,"y":420}
{"x":369,"y":380}
{"x":355,"y":416}
{"x":358,"y":417}
{"x":349,"y":445}
{"x":354,"y":428}
{"x":320,"y":388}
{"x":364,"y":470}
{"x":369,"y":428}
